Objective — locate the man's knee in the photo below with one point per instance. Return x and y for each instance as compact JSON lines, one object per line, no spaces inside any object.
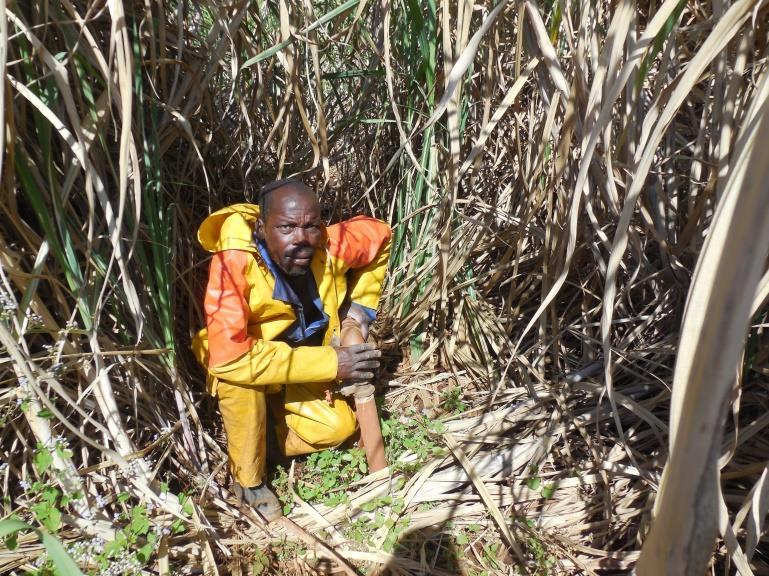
{"x":340,"y":426}
{"x":332,"y":426}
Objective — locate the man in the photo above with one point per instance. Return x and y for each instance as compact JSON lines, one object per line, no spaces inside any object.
{"x":279,"y":286}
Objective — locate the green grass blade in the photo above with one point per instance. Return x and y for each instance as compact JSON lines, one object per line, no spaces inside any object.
{"x":64,"y":564}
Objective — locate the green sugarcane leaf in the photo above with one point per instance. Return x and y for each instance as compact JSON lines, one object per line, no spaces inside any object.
{"x":319,"y":22}
{"x":64,"y":564}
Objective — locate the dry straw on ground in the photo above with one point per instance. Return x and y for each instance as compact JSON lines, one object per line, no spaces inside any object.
{"x":563,"y":178}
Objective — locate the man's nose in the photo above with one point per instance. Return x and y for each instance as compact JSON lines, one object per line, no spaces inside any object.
{"x":301,"y":236}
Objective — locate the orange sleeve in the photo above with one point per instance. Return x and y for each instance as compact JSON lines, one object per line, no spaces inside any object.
{"x":226,"y":306}
{"x":357,"y":242}
{"x":362,"y":248}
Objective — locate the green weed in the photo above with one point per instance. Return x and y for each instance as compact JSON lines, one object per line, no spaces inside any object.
{"x":360,"y":530}
{"x":412,"y":433}
{"x":451,"y":400}
{"x":128,"y":552}
{"x":279,"y":483}
{"x":328,"y":474}
{"x":543,"y":560}
{"x":261,"y":563}
{"x":546,"y":490}
{"x":287,"y":550}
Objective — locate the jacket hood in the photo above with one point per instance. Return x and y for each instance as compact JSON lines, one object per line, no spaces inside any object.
{"x":231,"y":228}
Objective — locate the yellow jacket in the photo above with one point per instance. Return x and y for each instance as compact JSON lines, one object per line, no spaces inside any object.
{"x":248,"y":314}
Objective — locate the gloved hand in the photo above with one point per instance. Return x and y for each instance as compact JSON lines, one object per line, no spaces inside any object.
{"x":357,"y":362}
{"x":352,"y":336}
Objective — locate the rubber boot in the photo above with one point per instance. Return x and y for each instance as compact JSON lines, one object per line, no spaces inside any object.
{"x":261,"y":499}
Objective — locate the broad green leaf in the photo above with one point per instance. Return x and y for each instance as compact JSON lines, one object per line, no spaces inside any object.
{"x":64,"y":564}
{"x":547,"y":491}
{"x":43,"y":460}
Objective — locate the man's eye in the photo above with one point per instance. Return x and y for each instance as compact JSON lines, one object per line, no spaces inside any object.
{"x":312,"y":227}
{"x":285,"y":227}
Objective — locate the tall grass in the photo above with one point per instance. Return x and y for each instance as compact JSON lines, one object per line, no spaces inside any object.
{"x":562,"y":179}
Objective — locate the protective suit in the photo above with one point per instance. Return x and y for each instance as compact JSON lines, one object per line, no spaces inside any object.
{"x":253,"y":345}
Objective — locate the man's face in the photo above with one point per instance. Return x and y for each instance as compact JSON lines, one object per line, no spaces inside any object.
{"x":292,"y":229}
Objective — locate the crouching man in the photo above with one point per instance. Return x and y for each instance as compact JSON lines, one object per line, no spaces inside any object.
{"x":279,"y":286}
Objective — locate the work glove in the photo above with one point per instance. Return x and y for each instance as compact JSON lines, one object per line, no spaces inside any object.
{"x":353,"y":382}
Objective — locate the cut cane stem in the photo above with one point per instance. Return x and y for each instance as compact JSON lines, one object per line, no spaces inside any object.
{"x":365,"y":406}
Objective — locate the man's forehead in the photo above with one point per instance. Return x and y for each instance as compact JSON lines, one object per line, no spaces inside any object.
{"x":291,"y":199}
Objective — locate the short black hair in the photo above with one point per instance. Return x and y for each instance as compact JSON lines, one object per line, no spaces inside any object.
{"x":264,"y":192}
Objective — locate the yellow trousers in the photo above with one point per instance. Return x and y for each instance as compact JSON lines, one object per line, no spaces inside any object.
{"x":305,"y":422}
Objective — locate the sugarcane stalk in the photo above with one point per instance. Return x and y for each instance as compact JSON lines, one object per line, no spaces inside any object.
{"x":365,"y":405}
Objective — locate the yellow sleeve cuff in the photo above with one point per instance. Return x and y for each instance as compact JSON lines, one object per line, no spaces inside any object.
{"x":313,"y":364}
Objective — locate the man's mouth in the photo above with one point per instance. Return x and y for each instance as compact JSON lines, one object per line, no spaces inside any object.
{"x":302,"y":258}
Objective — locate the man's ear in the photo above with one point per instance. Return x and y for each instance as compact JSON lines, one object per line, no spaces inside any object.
{"x":259,"y":229}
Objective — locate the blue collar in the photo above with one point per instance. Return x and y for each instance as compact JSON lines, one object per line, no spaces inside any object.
{"x":299,"y":331}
